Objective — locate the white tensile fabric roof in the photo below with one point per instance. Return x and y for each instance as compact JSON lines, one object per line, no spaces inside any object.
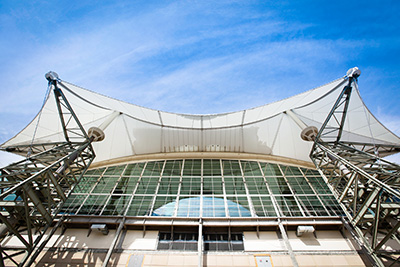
{"x":267,"y":129}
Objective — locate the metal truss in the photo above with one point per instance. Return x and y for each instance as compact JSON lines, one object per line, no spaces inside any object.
{"x":33,"y":190}
{"x":366,"y":186}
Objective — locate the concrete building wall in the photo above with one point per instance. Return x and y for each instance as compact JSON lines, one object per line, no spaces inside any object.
{"x":135,"y":240}
{"x":320,"y":241}
{"x":266,"y":241}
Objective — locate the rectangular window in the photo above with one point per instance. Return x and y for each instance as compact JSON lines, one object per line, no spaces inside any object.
{"x":140,"y":206}
{"x":288,"y":206}
{"x":153,"y":168}
{"x":189,"y":207}
{"x":147,"y":185}
{"x":231,"y":168}
{"x":94,"y":205}
{"x":189,"y":241}
{"x":222,"y":242}
{"x":234,"y":186}
{"x":134,"y":169}
{"x":86,"y":184}
{"x":114,"y":171}
{"x":251,"y":168}
{"x":212,"y":185}
{"x":126,"y":185}
{"x":211,"y":167}
{"x":263,"y":206}
{"x":192,"y":167}
{"x":116,"y":205}
{"x":256,"y":185}
{"x":72,"y":204}
{"x":169,"y":185}
{"x":106,"y":184}
{"x":177,"y":241}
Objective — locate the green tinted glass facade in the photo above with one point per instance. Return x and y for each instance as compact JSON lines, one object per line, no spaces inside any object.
{"x":202,"y":188}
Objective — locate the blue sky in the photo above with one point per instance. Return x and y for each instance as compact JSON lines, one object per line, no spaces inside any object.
{"x":196,"y":56}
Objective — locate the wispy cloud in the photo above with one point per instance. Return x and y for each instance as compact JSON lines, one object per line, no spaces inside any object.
{"x":186,"y":56}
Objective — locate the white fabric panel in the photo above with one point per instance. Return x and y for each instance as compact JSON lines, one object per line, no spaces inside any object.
{"x":223,"y":140}
{"x":180,"y":140}
{"x":181,"y":120}
{"x":223,"y":120}
{"x":259,"y":137}
{"x":288,"y":142}
{"x":360,"y":124}
{"x":138,"y":112}
{"x":290,"y":103}
{"x":265,"y":130}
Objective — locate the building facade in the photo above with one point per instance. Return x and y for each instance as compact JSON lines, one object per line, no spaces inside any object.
{"x":234,"y":189}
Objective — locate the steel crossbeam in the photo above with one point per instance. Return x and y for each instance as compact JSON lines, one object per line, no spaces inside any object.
{"x":33,"y":190}
{"x":366,"y":186}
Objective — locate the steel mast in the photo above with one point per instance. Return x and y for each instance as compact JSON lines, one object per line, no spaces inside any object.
{"x":366,"y":186}
{"x":33,"y":190}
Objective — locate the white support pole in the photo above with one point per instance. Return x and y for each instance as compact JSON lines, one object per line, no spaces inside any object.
{"x":287,"y":243}
{"x":200,"y":244}
{"x":110,"y":118}
{"x":114,"y":242}
{"x":296,"y":119}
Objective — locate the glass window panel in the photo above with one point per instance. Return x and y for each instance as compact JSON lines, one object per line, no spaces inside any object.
{"x":147,"y":185}
{"x":192,"y":167}
{"x":278,"y":185}
{"x":191,"y":186}
{"x":312,"y":206}
{"x":221,"y":242}
{"x":310,"y":172}
{"x":106,"y":184}
{"x":126,"y":185}
{"x":134,"y":169}
{"x":290,"y":171}
{"x":116,"y":205}
{"x":234,"y":186}
{"x":153,"y":168}
{"x":114,"y":170}
{"x":212,"y":185}
{"x":95,"y":171}
{"x":72,"y":204}
{"x":288,"y":206}
{"x":140,"y":206}
{"x":164,"y":206}
{"x":173,"y":168}
{"x":213,"y":207}
{"x":319,"y":185}
{"x":332,"y":205}
{"x":238,"y":207}
{"x":189,"y":207}
{"x":231,"y":168}
{"x":93,"y":204}
{"x":86,"y":184}
{"x":211,"y":167}
{"x":271,"y":169}
{"x":169,"y":185}
{"x":256,"y":185}
{"x":299,"y":185}
{"x":263,"y":206}
{"x":250,"y":168}
{"x":177,"y":241}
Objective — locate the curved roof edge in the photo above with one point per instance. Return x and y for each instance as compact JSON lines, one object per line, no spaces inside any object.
{"x":203,"y":155}
{"x":270,"y":130}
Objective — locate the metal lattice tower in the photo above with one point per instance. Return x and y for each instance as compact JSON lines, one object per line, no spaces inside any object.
{"x":366,"y":186}
{"x":33,"y":190}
